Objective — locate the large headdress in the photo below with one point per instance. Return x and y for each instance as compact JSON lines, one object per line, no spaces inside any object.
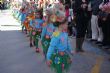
{"x":57,"y":11}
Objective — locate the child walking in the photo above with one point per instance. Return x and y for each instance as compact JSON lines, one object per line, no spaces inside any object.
{"x":37,"y":28}
{"x":47,"y":32}
{"x":59,"y":51}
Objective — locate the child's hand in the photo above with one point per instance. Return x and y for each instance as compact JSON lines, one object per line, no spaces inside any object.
{"x":49,"y":62}
{"x":34,"y":33}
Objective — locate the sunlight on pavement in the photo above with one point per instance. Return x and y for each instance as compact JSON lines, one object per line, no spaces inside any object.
{"x":7,"y":22}
{"x":8,"y":28}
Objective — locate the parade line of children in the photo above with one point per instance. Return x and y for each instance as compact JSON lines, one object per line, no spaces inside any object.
{"x":51,"y":32}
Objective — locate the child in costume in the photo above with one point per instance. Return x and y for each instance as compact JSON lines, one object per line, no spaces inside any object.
{"x":24,"y":12}
{"x":59,"y":49}
{"x":58,"y":55}
{"x":27,"y":20}
{"x":37,"y":28}
{"x":47,"y":32}
{"x":31,"y":29}
{"x":29,"y":16}
{"x":23,"y":17}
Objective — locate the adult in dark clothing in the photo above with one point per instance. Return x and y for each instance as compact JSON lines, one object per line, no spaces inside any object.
{"x":82,"y":18}
{"x":104,"y":23}
{"x":89,"y":31}
{"x":106,"y":30}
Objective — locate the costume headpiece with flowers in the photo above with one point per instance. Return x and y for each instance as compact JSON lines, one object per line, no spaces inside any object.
{"x":58,"y":13}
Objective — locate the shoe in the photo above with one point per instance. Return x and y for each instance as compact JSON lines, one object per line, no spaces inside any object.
{"x":81,"y":50}
{"x":99,"y":43}
{"x":93,"y":40}
{"x":77,"y":51}
{"x":31,"y":45}
{"x":37,"y":50}
{"x":34,"y":43}
{"x":106,"y":47}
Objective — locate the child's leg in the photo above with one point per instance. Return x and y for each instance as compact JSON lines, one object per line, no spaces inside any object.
{"x":36,"y":44}
{"x":45,"y":45}
{"x":31,"y":42}
{"x":36,"y":40}
{"x":22,"y":27}
{"x":31,"y":39}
